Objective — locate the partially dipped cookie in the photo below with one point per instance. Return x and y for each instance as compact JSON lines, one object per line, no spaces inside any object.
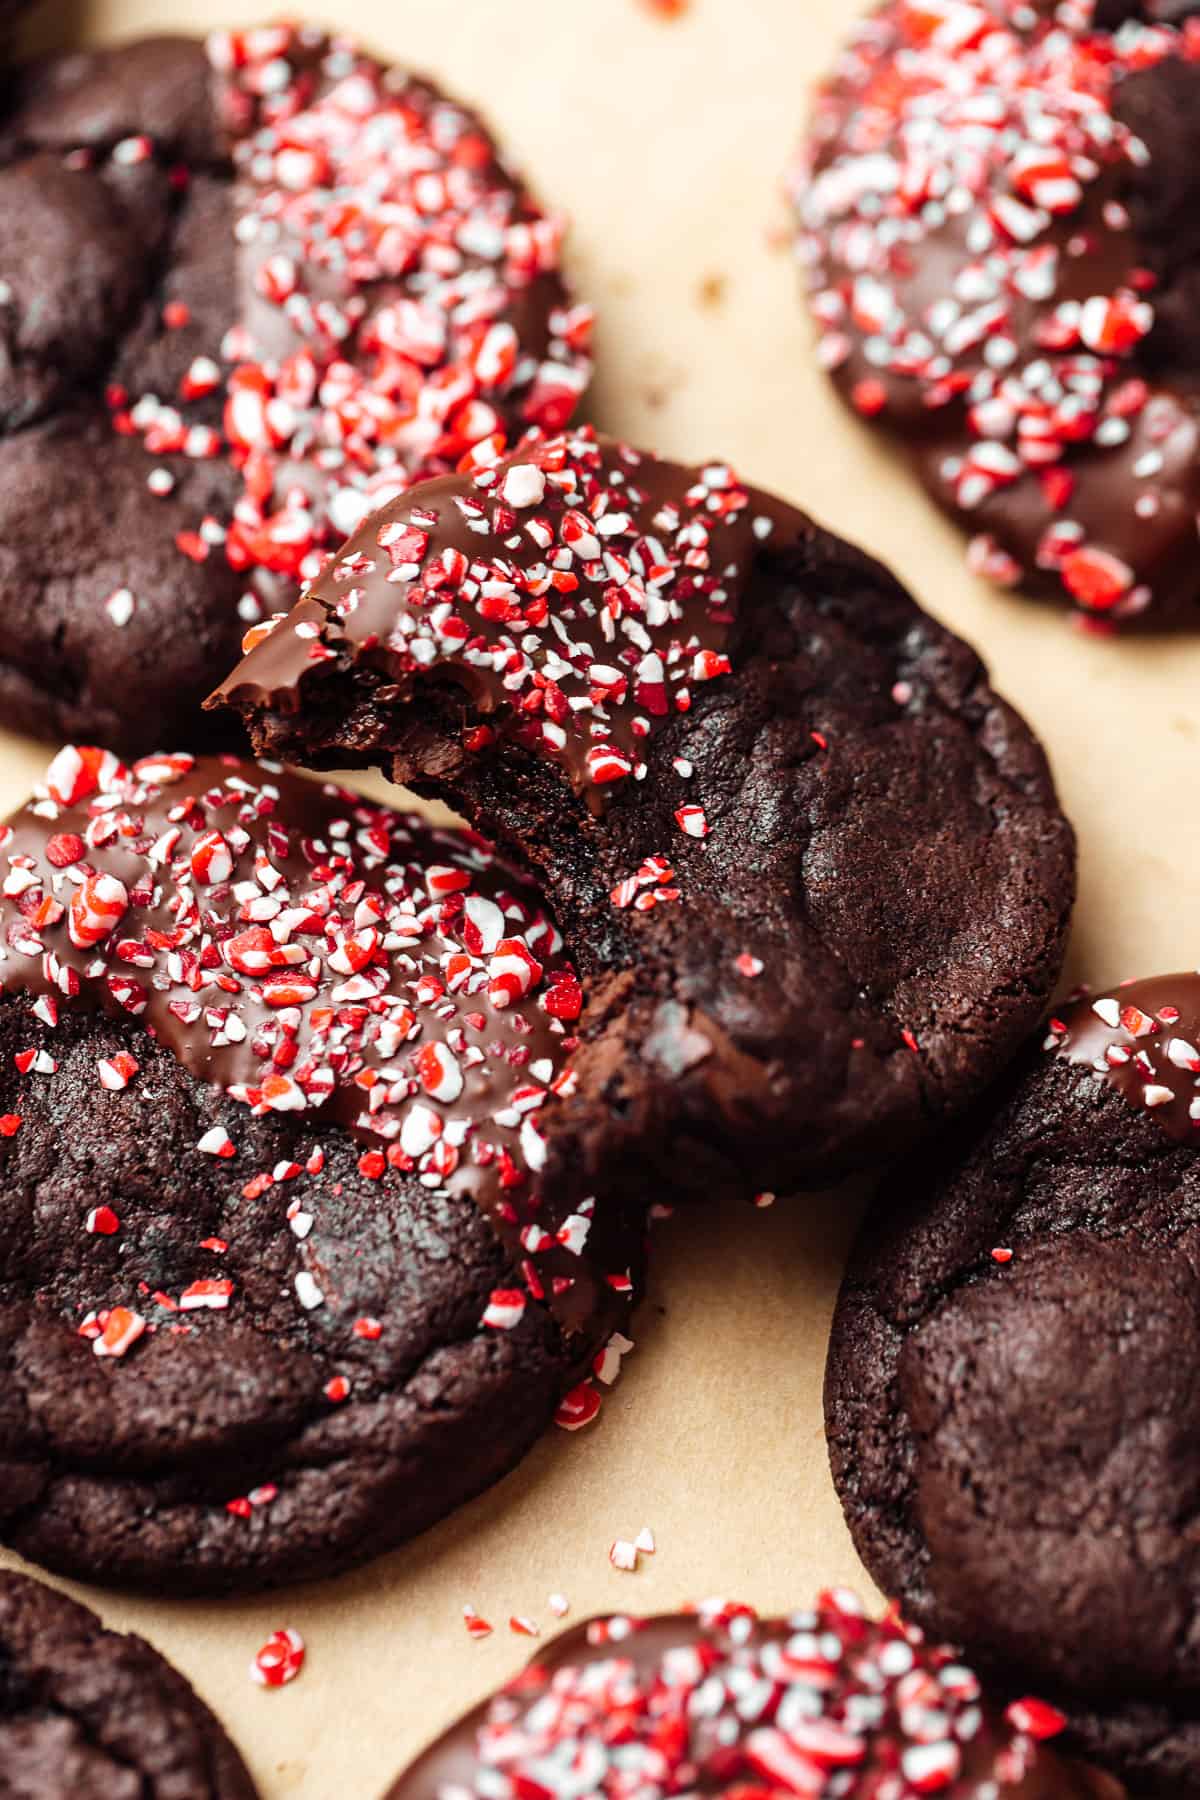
{"x":247,"y":291}
{"x":810,"y":867}
{"x":824,"y":1703}
{"x":1011,"y":1391}
{"x":279,"y":1285}
{"x":90,"y":1714}
{"x":997,"y":212}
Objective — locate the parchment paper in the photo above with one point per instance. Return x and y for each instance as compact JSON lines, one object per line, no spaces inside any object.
{"x":665,"y":143}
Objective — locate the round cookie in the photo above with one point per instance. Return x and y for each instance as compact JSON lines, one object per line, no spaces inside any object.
{"x":89,"y":1714}
{"x":279,"y":1282}
{"x":997,"y":213}
{"x":246,"y":296}
{"x":823,"y":1703}
{"x":811,"y":869}
{"x":1011,"y":1390}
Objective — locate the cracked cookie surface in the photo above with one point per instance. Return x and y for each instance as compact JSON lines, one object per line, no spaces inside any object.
{"x":1013,"y":1389}
{"x":278,"y":1286}
{"x":90,"y":1714}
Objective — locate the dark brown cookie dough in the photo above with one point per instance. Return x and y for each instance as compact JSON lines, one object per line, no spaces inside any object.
{"x":998,"y":210}
{"x":279,"y":1286}
{"x":825,"y":1702}
{"x":248,"y":290}
{"x":810,"y":867}
{"x":89,"y":1714}
{"x":1012,"y":1390}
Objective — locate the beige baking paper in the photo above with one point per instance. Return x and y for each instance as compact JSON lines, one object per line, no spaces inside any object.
{"x":665,"y":143}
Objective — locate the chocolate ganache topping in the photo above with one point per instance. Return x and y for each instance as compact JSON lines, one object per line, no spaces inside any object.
{"x":996,"y":212}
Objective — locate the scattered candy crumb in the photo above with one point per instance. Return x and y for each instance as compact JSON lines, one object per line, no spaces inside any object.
{"x":280,"y":1660}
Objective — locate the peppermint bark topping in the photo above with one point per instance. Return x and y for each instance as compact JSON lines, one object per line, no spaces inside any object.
{"x":822,"y":1703}
{"x":316,"y":955}
{"x":977,"y":283}
{"x":579,"y":592}
{"x":401,"y":301}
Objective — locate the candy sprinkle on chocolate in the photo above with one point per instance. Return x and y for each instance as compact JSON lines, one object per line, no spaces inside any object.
{"x":578,"y":592}
{"x":398,"y":305}
{"x":311,"y":953}
{"x":1142,"y":1040}
{"x":976,"y":220}
{"x":823,"y":1703}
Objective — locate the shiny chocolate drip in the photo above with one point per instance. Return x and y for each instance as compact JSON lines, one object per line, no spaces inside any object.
{"x":574,"y":596}
{"x":1143,"y":1039}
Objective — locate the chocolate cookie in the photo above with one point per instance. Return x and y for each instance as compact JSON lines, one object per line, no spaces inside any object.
{"x":246,"y":296}
{"x":1011,"y":1392}
{"x":88,"y":1714}
{"x":998,"y":214}
{"x":810,"y":868}
{"x":821,"y":1703}
{"x":279,"y":1282}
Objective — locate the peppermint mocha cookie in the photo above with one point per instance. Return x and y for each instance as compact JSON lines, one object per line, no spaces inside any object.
{"x":244,"y":296}
{"x":279,"y":1283}
{"x":824,"y":1703}
{"x":87,"y":1714}
{"x":998,"y":213}
{"x":1012,"y":1386}
{"x":811,"y":869}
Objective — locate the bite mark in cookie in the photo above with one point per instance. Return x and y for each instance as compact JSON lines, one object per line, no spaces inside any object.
{"x":764,"y":791}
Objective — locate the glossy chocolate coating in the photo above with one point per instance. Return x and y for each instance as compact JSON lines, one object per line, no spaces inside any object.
{"x":364,"y":603}
{"x":721,"y":1751}
{"x":1141,"y":1039}
{"x":969,"y":260}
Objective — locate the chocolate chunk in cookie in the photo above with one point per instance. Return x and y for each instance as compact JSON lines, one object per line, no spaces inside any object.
{"x":810,"y":867}
{"x":1012,"y":1386}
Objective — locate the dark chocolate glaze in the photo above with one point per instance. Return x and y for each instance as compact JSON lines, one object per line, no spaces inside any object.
{"x":693,"y":1649}
{"x":361,"y":603}
{"x":1141,"y":1039}
{"x":1132,"y":497}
